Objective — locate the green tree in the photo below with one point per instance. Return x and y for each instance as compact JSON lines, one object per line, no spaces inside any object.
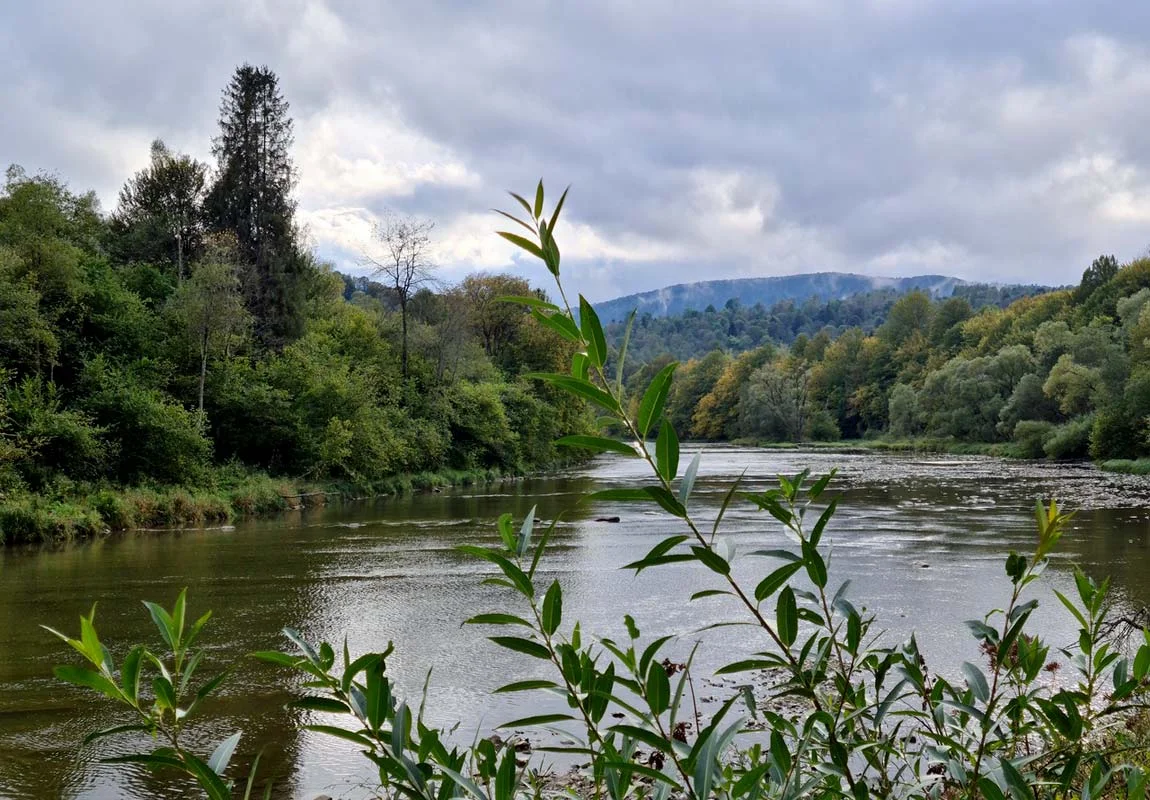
{"x":1100,"y":272}
{"x":160,"y":213}
{"x":496,"y":323}
{"x":210,"y":308}
{"x":775,"y":402}
{"x":695,"y":380}
{"x":251,"y":197}
{"x":903,"y":411}
{"x":1072,"y":385}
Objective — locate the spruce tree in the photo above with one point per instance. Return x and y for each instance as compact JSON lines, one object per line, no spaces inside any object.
{"x":252,"y":199}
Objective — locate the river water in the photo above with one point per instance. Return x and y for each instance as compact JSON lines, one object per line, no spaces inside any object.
{"x":921,"y":538}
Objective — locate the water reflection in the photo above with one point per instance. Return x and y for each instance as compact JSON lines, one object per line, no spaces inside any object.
{"x":922,"y":539}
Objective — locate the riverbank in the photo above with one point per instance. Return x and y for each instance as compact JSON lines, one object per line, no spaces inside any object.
{"x":33,"y":518}
{"x":919,"y":445}
{"x":1140,"y":466}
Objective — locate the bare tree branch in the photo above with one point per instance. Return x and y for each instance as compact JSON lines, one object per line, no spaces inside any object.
{"x":404,"y":261}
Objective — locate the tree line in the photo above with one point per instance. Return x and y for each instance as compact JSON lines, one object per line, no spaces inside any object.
{"x":737,"y":327}
{"x":1063,"y":374}
{"x":191,"y":334}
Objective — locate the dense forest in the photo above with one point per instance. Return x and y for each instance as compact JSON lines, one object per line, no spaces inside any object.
{"x":190,"y":339}
{"x":737,"y":327}
{"x":1064,"y":374}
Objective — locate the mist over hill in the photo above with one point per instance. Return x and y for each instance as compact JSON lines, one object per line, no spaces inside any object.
{"x":825,"y":286}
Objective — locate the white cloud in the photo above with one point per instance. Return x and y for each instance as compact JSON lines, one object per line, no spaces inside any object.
{"x":347,"y":153}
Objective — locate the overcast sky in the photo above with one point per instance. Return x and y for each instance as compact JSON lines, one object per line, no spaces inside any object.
{"x":992,"y":140}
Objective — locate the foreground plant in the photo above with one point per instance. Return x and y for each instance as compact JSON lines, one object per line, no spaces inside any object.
{"x":156,"y":687}
{"x":846,"y":715}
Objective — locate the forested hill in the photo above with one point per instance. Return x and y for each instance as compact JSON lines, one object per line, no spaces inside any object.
{"x":825,"y":286}
{"x":735,"y":327}
{"x":1063,"y":374}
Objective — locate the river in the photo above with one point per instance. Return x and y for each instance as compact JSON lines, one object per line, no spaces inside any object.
{"x":922,"y":539}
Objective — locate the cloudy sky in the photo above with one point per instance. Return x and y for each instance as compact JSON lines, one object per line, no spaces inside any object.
{"x":986,"y":139}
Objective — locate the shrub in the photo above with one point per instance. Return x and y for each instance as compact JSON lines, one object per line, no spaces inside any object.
{"x":1069,"y":441}
{"x":1030,"y":436}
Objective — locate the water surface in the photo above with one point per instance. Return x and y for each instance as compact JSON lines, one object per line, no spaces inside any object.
{"x":922,"y":539}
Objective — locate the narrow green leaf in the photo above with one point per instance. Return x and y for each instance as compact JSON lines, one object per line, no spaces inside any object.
{"x":667,"y":452}
{"x":163,"y":622}
{"x":592,"y":333}
{"x":654,"y":399}
{"x":623,"y":352}
{"x":165,"y":694}
{"x":711,"y":559}
{"x":539,"y":200}
{"x":659,"y":550}
{"x":552,"y":608}
{"x":581,"y":388}
{"x":342,"y":733}
{"x":601,"y":444}
{"x":558,"y":208}
{"x":824,"y":518}
{"x":816,"y":567}
{"x":658,"y":692}
{"x":530,"y":301}
{"x":787,"y":616}
{"x":525,"y":646}
{"x":558,"y":322}
{"x":218,"y":762}
{"x":328,"y":705}
{"x":526,"y":686}
{"x":646,"y":494}
{"x":976,"y":681}
{"x":135,"y":728}
{"x":88,"y":678}
{"x":515,"y":219}
{"x":776,"y":580}
{"x":540,"y":719}
{"x":498,"y":619}
{"x":727,"y":502}
{"x":687,"y":485}
{"x":523,"y":243}
{"x":208,"y":779}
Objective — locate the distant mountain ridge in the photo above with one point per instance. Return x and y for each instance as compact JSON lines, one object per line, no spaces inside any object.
{"x":825,"y":286}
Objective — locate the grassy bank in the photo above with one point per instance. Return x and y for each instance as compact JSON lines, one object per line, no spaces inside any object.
{"x":1127,"y":466}
{"x":31,"y":518}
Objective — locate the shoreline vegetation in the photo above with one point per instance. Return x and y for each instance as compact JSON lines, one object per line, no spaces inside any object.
{"x":929,"y":445}
{"x":32,"y":519}
{"x":38,"y":519}
{"x":193,"y":344}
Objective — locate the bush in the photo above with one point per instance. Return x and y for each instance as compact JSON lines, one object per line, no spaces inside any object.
{"x":1069,"y":441}
{"x":1030,"y":436}
{"x":821,"y":427}
{"x":50,"y":439}
{"x":32,"y":519}
{"x":157,"y":439}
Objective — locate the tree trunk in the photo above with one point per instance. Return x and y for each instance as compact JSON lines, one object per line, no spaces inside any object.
{"x":203,"y":371}
{"x":403,"y":346}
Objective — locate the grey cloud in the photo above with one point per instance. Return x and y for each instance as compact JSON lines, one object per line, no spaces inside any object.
{"x":864,"y":133}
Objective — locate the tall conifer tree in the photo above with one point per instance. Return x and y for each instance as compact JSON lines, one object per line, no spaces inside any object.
{"x":252,"y":199}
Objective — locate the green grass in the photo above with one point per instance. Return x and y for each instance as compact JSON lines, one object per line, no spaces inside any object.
{"x":30,"y":518}
{"x":1128,"y":466}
